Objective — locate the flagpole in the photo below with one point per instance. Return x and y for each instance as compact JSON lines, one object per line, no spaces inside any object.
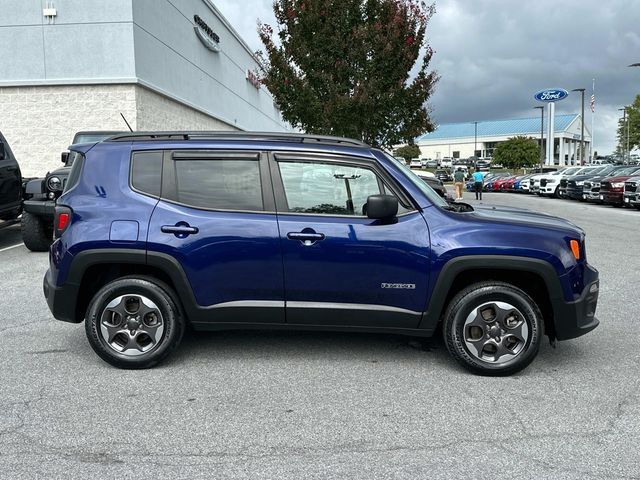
{"x":593,"y":114}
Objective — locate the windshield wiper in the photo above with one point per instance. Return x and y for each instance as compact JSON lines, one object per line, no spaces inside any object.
{"x":458,"y":207}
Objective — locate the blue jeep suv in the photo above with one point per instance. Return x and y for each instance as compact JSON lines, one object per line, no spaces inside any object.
{"x":222,"y":230}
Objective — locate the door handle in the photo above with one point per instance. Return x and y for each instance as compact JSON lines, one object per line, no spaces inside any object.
{"x":306,"y":237}
{"x":180,"y":229}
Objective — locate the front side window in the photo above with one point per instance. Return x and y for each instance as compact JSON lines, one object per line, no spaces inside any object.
{"x":219,"y":184}
{"x":327,"y":188}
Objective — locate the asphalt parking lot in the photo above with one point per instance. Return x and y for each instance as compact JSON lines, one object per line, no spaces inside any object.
{"x":307,"y":405}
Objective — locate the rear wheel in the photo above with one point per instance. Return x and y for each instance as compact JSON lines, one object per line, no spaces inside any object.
{"x":493,"y":328}
{"x":133,"y":322}
{"x":37,"y":232}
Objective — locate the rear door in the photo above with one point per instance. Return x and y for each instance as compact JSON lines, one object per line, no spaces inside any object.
{"x":10,"y":180}
{"x":216,"y":217}
{"x":340,"y":267}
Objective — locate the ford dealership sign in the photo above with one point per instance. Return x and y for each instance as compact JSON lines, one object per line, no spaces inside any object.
{"x":551,"y":95}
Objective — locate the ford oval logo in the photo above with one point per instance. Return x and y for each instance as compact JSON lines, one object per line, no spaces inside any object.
{"x":551,"y":95}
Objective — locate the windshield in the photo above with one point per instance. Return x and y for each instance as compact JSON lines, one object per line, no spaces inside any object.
{"x":626,"y":171}
{"x":568,"y":171}
{"x":426,"y":189}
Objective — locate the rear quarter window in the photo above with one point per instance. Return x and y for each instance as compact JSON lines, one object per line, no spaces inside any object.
{"x":76,"y":170}
{"x":146,"y":172}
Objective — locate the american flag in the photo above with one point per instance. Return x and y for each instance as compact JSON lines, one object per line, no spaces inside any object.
{"x":592,"y":103}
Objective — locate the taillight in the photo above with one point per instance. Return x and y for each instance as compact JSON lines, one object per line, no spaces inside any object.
{"x":61,"y":220}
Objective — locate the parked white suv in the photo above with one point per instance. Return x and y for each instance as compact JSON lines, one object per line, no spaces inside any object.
{"x":549,"y":183}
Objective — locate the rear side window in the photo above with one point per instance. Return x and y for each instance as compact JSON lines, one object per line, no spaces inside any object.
{"x":219,"y":184}
{"x":76,"y":170}
{"x":146,"y":172}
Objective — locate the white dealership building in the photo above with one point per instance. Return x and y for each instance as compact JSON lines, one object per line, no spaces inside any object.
{"x":463,"y":140}
{"x":70,"y":65}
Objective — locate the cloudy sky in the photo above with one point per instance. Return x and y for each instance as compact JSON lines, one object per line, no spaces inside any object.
{"x":493,"y":55}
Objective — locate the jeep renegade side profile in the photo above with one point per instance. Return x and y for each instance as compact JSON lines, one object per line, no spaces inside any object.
{"x":283,"y":231}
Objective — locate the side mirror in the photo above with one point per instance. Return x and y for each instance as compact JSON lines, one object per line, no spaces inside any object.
{"x":382,"y":207}
{"x":64,"y":157}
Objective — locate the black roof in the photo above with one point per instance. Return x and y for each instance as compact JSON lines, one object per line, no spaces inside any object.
{"x":236,"y":135}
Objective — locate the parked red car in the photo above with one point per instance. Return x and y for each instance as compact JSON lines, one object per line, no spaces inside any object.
{"x":501,"y":184}
{"x":612,"y":190}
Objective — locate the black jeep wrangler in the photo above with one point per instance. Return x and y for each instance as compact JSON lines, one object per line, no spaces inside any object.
{"x":42,"y":193}
{"x":11,"y":188}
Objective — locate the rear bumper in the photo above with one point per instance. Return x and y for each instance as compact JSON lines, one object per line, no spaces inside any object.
{"x":40,"y":207}
{"x":574,"y":319}
{"x":61,"y":300}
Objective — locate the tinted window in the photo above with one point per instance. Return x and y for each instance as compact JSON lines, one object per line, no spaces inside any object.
{"x":219,"y":184}
{"x":76,"y":170}
{"x":146,"y":172}
{"x":327,"y":188}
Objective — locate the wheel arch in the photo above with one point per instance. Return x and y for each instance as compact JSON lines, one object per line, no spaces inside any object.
{"x":91,"y":270}
{"x":534,"y":276}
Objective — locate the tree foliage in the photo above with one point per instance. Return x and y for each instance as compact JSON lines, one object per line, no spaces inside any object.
{"x":517,"y":152}
{"x":407,"y":152}
{"x":631,"y":126}
{"x":341,"y":67}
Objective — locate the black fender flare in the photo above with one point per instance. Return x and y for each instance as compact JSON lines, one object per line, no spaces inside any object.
{"x":456,"y":266}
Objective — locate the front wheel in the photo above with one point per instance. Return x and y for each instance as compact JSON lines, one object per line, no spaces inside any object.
{"x":493,"y":328}
{"x":133,"y":322}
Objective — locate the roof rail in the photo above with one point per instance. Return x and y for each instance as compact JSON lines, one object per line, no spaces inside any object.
{"x":236,"y":135}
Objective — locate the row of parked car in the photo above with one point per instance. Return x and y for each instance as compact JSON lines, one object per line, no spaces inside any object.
{"x":616,"y":185}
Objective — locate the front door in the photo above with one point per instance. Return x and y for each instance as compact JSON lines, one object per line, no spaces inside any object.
{"x":216,"y":218}
{"x":340,"y":267}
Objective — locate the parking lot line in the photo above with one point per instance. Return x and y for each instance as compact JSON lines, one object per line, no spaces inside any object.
{"x":9,"y":248}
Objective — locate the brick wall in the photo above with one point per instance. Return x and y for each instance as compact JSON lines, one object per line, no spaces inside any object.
{"x":39,"y":121}
{"x":157,"y":112}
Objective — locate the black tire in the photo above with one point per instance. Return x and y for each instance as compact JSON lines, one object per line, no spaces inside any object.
{"x":556,"y":192}
{"x":460,"y":310}
{"x":37,"y":232}
{"x":171,"y":319}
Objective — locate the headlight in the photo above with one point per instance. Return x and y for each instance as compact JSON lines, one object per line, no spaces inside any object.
{"x":54,"y":184}
{"x":617,"y":184}
{"x":551,"y":180}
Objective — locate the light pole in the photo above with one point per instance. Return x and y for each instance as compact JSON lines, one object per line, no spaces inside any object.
{"x":541,"y":136}
{"x":475,"y":139}
{"x":624,"y":123}
{"x":581,"y":90}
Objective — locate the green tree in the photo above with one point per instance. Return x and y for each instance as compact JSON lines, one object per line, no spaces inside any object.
{"x":517,"y":152}
{"x":341,"y":67}
{"x":407,"y":152}
{"x":630,"y":127}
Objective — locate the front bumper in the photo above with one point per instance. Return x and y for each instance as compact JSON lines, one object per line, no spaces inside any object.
{"x":632,"y":199}
{"x":40,"y":207}
{"x":548,"y":189}
{"x":574,"y":319}
{"x":574,"y":193}
{"x":612,"y":198}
